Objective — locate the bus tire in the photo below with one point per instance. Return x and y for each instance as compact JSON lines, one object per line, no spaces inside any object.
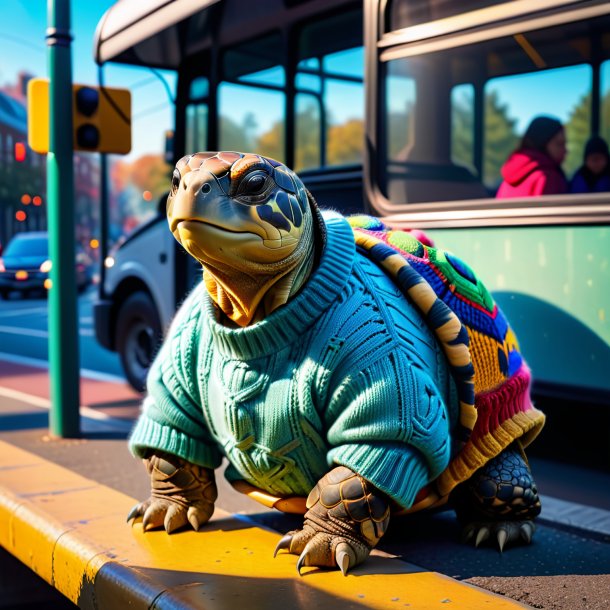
{"x":138,"y":336}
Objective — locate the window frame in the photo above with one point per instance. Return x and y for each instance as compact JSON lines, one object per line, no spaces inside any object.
{"x":381,"y":47}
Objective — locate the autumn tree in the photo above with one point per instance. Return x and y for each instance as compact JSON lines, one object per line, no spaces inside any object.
{"x":307,"y":152}
{"x":271,"y":143}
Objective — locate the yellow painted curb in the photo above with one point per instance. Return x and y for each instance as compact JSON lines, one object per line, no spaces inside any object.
{"x":72,"y":532}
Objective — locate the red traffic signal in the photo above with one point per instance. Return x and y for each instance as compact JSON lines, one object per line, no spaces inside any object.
{"x":20,"y":152}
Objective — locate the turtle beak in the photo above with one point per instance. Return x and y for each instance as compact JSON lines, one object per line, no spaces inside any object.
{"x":195,"y":193}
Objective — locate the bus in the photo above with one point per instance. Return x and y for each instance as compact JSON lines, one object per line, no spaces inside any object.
{"x":403,"y":109}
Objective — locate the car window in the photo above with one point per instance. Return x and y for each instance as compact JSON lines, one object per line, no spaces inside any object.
{"x":27,"y":247}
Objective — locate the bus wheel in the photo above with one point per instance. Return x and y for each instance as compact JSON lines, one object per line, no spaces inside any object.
{"x":138,"y":337}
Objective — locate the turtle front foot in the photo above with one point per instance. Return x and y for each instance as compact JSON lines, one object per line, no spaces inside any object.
{"x":501,"y":532}
{"x":182,"y":493}
{"x":322,"y":549}
{"x":346,"y":517}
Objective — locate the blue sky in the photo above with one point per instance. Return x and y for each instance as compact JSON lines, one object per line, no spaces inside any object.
{"x":550,"y":92}
{"x":23,"y":48}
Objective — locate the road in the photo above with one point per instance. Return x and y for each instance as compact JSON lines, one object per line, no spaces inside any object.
{"x":567,"y":566}
{"x":24,"y":333}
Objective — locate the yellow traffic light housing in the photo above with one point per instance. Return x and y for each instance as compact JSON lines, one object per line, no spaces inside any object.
{"x":101,"y":118}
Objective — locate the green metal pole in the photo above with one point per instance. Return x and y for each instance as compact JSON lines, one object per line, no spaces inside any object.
{"x":64,"y":369}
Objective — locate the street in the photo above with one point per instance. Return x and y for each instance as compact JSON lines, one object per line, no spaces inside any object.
{"x":24,"y":333}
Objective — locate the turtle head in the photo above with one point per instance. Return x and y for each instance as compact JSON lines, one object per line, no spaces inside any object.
{"x":243,"y":216}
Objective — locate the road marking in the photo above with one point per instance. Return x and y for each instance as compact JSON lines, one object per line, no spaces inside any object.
{"x":28,"y":332}
{"x":589,"y":519}
{"x":44,"y":364}
{"x":86,"y":320}
{"x":44,"y":403}
{"x":41,"y":334}
{"x":11,"y":313}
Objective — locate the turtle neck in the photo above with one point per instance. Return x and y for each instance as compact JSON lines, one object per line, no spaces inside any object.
{"x":284,"y":325}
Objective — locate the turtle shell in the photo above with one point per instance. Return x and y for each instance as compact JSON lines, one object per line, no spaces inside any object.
{"x":482,"y":351}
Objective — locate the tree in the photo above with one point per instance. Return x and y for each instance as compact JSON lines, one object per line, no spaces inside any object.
{"x":578,"y":128}
{"x":500,"y":138}
{"x":462,"y":130}
{"x":307,"y":153}
{"x":345,"y":142}
{"x":240,"y":138}
{"x":271,"y":143}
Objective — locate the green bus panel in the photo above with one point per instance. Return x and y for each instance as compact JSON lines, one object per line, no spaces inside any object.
{"x":553,"y":284}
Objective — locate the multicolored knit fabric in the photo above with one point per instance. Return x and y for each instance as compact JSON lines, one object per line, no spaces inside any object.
{"x":482,"y":350}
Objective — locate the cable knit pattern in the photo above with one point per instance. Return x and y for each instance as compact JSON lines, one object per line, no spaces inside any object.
{"x":345,"y":373}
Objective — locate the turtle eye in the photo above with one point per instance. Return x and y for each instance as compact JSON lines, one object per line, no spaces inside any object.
{"x":176,"y":177}
{"x":254,"y":184}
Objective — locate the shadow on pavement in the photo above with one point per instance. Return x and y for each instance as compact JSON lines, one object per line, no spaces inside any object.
{"x":23,"y":421}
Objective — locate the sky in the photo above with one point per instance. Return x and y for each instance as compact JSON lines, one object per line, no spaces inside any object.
{"x":23,"y":48}
{"x":550,"y":92}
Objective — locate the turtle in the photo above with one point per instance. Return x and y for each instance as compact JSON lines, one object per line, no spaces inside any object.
{"x":347,"y":371}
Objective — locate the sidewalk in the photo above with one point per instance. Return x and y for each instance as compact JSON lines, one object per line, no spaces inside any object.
{"x":71,"y":531}
{"x":63,"y":505}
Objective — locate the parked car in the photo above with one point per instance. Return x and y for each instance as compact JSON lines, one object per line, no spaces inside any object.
{"x":25,"y":264}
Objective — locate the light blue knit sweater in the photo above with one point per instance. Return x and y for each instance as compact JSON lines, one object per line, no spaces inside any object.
{"x":346,"y":373}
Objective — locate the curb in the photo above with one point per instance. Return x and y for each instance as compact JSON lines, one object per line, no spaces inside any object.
{"x":71,"y":531}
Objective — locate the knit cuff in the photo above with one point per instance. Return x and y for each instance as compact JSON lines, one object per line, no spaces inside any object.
{"x":398,"y":470}
{"x":149,"y":434}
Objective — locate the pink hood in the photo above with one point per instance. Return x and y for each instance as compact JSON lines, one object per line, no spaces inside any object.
{"x":528,"y":173}
{"x":523,"y":163}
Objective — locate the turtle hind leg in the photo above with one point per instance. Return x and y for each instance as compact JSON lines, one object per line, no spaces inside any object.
{"x":499,"y":501}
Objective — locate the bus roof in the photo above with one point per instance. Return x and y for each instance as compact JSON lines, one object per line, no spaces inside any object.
{"x":145,"y":33}
{"x":163,"y":33}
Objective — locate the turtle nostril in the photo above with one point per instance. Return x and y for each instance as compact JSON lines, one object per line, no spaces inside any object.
{"x":206,"y":188}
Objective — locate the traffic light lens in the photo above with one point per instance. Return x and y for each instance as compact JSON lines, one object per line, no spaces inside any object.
{"x":87,"y":101}
{"x":87,"y":136}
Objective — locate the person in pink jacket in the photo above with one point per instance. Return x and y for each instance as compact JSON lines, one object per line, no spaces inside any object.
{"x":535,"y":167}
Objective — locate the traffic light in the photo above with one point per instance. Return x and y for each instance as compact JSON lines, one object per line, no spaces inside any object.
{"x":101,"y":118}
{"x":20,"y":152}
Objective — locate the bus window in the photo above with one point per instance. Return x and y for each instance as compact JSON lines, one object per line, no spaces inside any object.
{"x":447,"y":135}
{"x":605,"y":100}
{"x":400,"y":96}
{"x":403,"y":14}
{"x":252,"y":100}
{"x":139,"y":181}
{"x":329,"y":99}
{"x":511,"y":102}
{"x":423,"y":99}
{"x":462,"y":126}
{"x":197,"y":116}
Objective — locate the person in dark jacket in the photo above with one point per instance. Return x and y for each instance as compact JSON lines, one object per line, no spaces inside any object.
{"x":594,"y":175}
{"x":535,"y":167}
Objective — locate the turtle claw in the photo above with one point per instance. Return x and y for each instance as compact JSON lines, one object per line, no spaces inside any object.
{"x":527,"y":530}
{"x":504,"y":532}
{"x":134,"y":512}
{"x":193,"y":520}
{"x":175,"y":518}
{"x":284,"y":543}
{"x":468,"y":533}
{"x":345,"y":557}
{"x":482,"y":535}
{"x":501,"y":535}
{"x":303,"y":561}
